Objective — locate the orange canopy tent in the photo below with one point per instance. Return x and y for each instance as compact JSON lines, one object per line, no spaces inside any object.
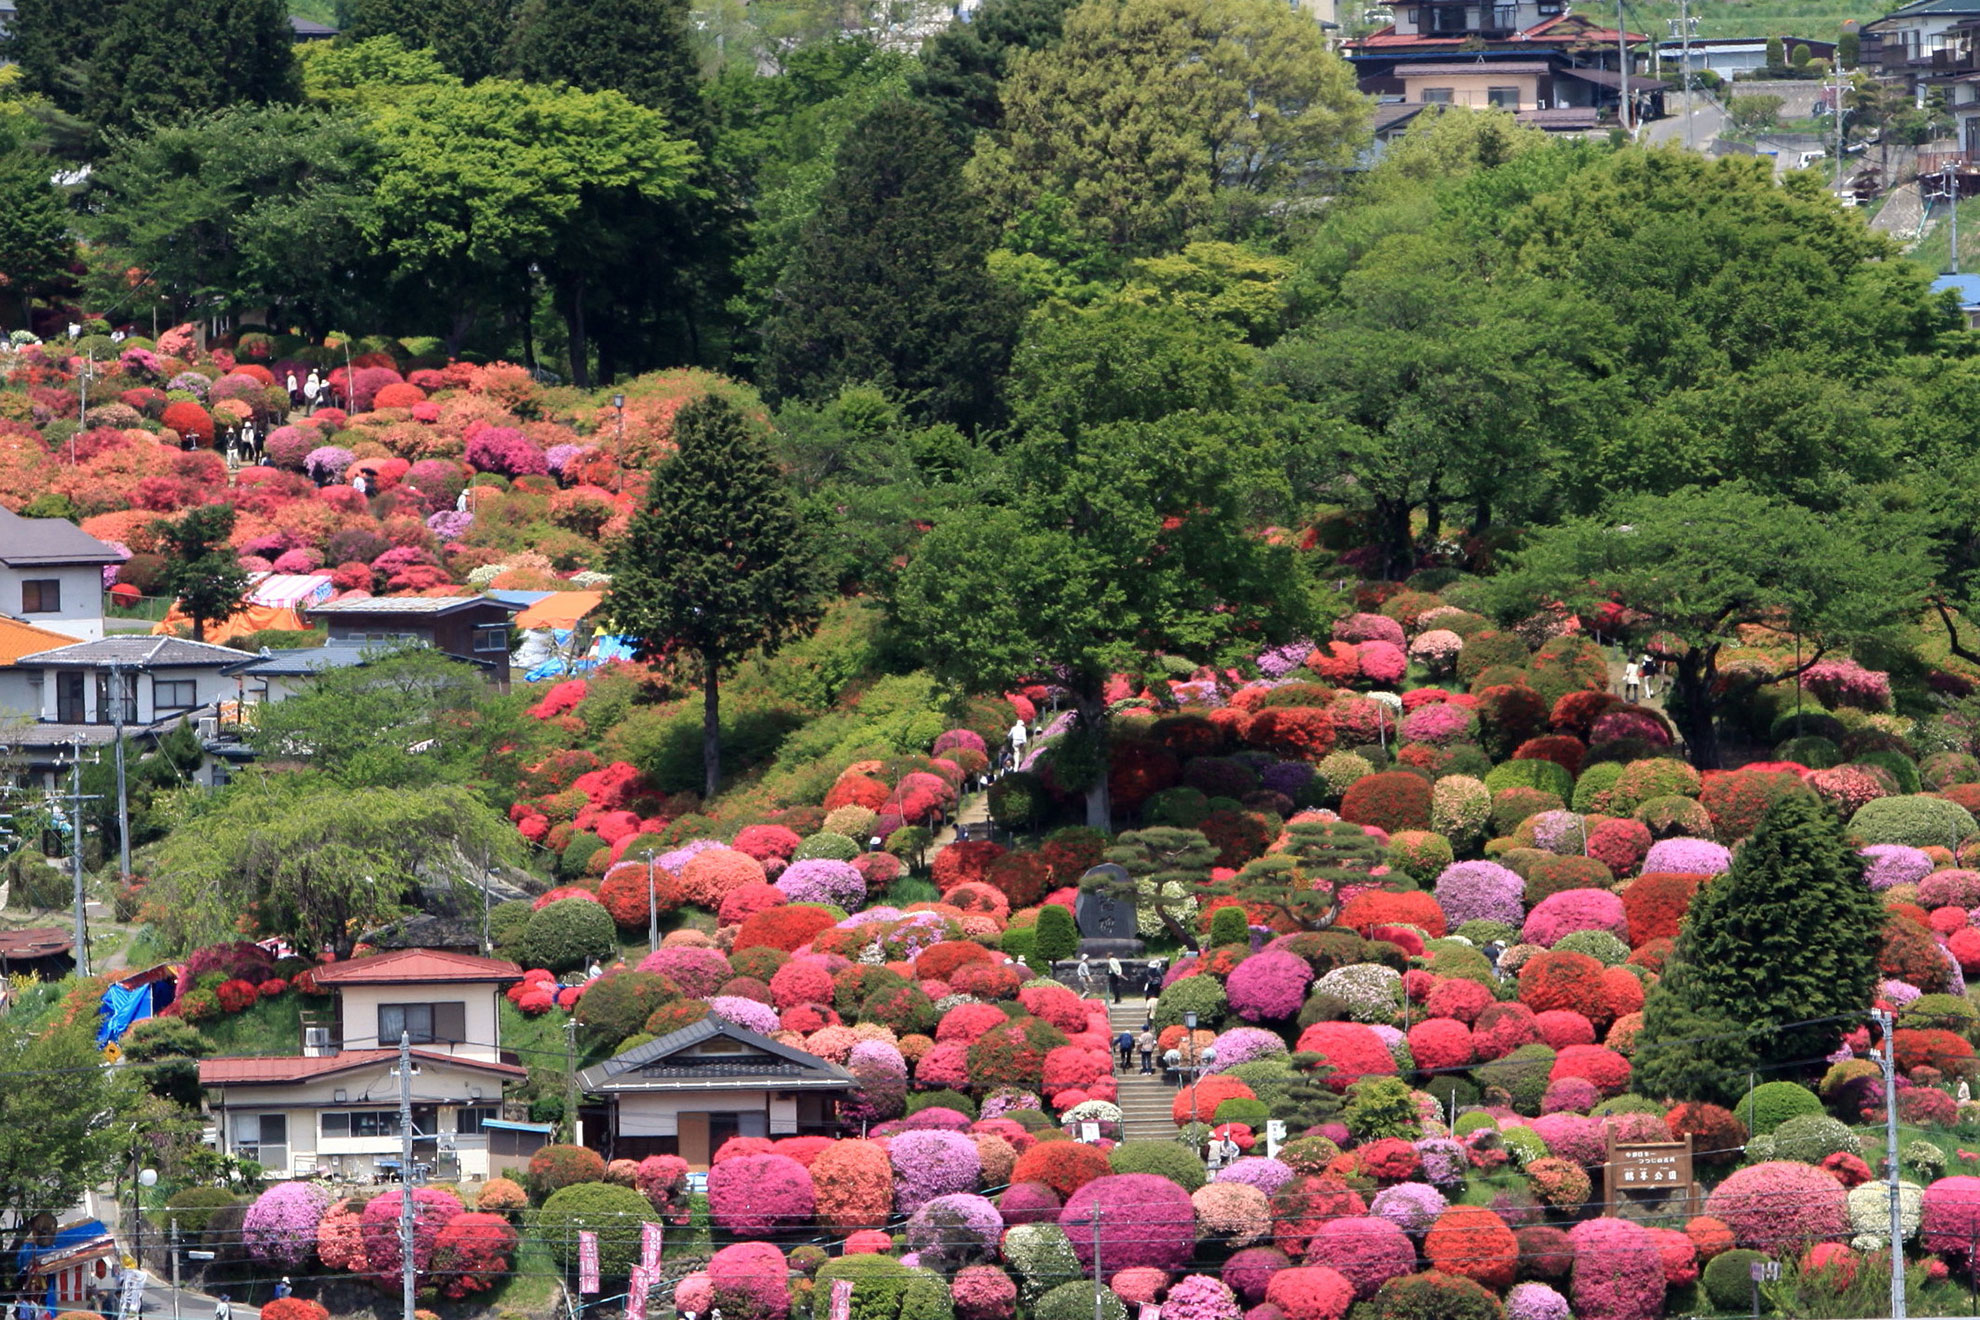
{"x":559,"y":609}
{"x":275,"y":602}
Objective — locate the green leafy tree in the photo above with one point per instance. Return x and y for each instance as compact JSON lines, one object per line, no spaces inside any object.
{"x":1789,"y":935}
{"x":1129,"y":540}
{"x":406,"y":719}
{"x":51,"y":42}
{"x":62,"y":1128}
{"x":252,"y":206}
{"x":1755,"y":113}
{"x":201,"y":567}
{"x":317,"y":860}
{"x":466,"y":36}
{"x":162,"y":60}
{"x":1848,"y":46}
{"x":1699,"y":565}
{"x":888,"y":283}
{"x":36,"y":248}
{"x":717,"y":565}
{"x":1169,"y":866}
{"x":1149,"y":115}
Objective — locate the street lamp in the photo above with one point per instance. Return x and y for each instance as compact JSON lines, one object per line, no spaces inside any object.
{"x":1189,"y":1061}
{"x":619,"y":402}
{"x":146,"y":1178}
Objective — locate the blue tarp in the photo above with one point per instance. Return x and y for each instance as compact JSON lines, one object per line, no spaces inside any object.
{"x":121,"y":1007}
{"x":605,"y":648}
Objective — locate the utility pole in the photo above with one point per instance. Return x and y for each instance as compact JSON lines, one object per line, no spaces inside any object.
{"x":1889,"y":1062}
{"x":652,"y":907}
{"x":123,"y":796}
{"x":1622,"y":70}
{"x":175,"y":1267}
{"x":406,"y":1212}
{"x":1099,"y":1289}
{"x":570,"y":1085}
{"x":76,"y":800}
{"x":1684,"y":27}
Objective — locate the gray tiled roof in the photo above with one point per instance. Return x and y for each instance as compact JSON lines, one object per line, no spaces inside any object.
{"x":32,"y":542}
{"x":651,"y":1066}
{"x":304,"y":660}
{"x":152,"y":652}
{"x":405,"y":604}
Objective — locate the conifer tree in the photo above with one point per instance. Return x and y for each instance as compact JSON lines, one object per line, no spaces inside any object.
{"x":465,"y":36}
{"x":1788,"y":936}
{"x":889,"y":285}
{"x":640,"y":48}
{"x":718,"y":564}
{"x":162,"y":59}
{"x":201,"y":568}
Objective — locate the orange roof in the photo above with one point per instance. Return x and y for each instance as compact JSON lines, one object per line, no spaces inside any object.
{"x":279,"y":1069}
{"x":18,"y":639}
{"x":415,"y":966}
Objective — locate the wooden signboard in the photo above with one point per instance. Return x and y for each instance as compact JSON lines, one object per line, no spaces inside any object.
{"x":1654,"y":1171}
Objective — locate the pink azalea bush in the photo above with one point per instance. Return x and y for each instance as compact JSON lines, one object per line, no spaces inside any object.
{"x":1779,"y":1205}
{"x":1571,"y":910}
{"x":280,"y":1227}
{"x":1618,"y":1274}
{"x":1269,"y":986}
{"x":1480,"y":891}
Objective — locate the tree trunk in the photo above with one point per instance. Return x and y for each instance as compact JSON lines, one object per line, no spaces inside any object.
{"x":1433,"y":523}
{"x":1392,"y":531}
{"x":580,"y":349}
{"x":1093,"y":724}
{"x":711,"y":728}
{"x":1694,"y":716}
{"x":199,"y":628}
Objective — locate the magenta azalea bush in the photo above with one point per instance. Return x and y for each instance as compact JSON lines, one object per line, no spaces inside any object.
{"x":1139,"y":1220}
{"x":1571,"y":910}
{"x":1268,"y":986}
{"x":1439,"y":724}
{"x":1779,"y":1206}
{"x":1366,"y":1250}
{"x":756,"y":1196}
{"x":1618,"y":1274}
{"x":1200,"y":1297}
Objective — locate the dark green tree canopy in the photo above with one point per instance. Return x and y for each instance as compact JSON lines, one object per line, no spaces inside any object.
{"x":1789,"y":935}
{"x":160,"y":60}
{"x":201,"y":567}
{"x":717,"y":564}
{"x":640,"y":48}
{"x":888,"y":284}
{"x":466,"y":36}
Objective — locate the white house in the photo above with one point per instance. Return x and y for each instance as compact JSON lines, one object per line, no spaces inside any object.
{"x":158,"y":679}
{"x":334,"y":1108}
{"x":51,"y":574}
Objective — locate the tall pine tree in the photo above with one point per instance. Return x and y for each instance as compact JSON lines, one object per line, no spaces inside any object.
{"x":1789,"y":935}
{"x":52,"y":42}
{"x":466,"y":36}
{"x":889,"y":284}
{"x":963,"y":65}
{"x":717,"y":565}
{"x":162,"y":59}
{"x":641,"y":48}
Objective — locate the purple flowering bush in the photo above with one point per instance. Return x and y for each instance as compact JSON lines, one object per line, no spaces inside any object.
{"x":449,"y":524}
{"x":746,"y":1013}
{"x":1260,"y":1171}
{"x":1245,"y":1045}
{"x":952,"y":1231}
{"x":1480,"y":891}
{"x":1200,"y":1297}
{"x":327,"y":464}
{"x":823,"y":880}
{"x":1269,"y":986}
{"x":1413,"y":1207}
{"x":280,"y":1227}
{"x":1443,"y":1161}
{"x":1535,"y":1301}
{"x":931,"y":1164}
{"x":1278,"y":661}
{"x":1888,"y":864}
{"x":1690,"y":856}
{"x":559,"y":457}
{"x":1559,"y":831}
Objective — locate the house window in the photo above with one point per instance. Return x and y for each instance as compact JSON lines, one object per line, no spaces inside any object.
{"x":69,"y":693}
{"x":173,"y":694}
{"x":1504,"y":98}
{"x":469,"y":1122}
{"x":41,"y":596}
{"x":109,"y":698}
{"x":491,"y":639}
{"x":1436,"y":96}
{"x":260,"y":1136}
{"x":359,"y":1123}
{"x":424,"y":1023}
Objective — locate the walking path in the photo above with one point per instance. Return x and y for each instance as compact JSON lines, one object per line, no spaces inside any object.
{"x":1146,"y":1101}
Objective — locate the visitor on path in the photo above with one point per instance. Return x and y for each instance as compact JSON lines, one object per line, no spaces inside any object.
{"x":284,"y":1288}
{"x":295,"y":391}
{"x":1019,"y":736}
{"x":1114,"y":976}
{"x":1650,"y":669}
{"x":312,"y":388}
{"x":1964,"y":1094}
{"x":1124,"y":1044}
{"x":1632,"y":679}
{"x":224,"y":1308}
{"x":1151,"y":979}
{"x":1085,"y":975}
{"x":250,"y":441}
{"x":1146,"y":1044}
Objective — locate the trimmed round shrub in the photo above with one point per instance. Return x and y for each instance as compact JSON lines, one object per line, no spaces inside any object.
{"x":1572,"y":910}
{"x":1310,"y":1292}
{"x":1391,"y":801}
{"x":280,"y":1227}
{"x":1434,"y":1293}
{"x":1143,"y":1221}
{"x":1779,"y":1206}
{"x":1473,"y":1242}
{"x":1618,"y":1274}
{"x":1480,"y":891}
{"x":950,"y":1232}
{"x":747,"y":1278}
{"x":759,"y":1195}
{"x":1166,"y":1159}
{"x":1728,"y":1278}
{"x":928,"y":1164}
{"x":1075,"y":1301}
{"x":1267,"y":987}
{"x":1916,"y":821}
{"x":1366,"y":1250}
{"x":1771,"y":1104}
{"x":567,"y":935}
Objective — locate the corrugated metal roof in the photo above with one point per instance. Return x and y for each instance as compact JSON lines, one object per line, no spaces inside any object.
{"x":155,"y":652}
{"x":415,"y":966}
{"x":278,"y":1070}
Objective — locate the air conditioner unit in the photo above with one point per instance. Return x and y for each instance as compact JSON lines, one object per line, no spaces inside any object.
{"x":209,"y":727}
{"x":316,"y":1042}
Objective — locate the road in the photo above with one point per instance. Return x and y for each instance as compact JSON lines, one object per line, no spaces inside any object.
{"x":192,"y":1305}
{"x":1706,"y":121}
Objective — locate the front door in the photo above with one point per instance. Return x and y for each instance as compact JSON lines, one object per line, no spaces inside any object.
{"x":694,"y":1140}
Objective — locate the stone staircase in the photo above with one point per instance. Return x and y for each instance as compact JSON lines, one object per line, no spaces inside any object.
{"x":1145,"y":1101}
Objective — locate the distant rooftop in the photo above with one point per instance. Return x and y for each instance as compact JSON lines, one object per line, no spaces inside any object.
{"x":146,"y":651}
{"x":1966,"y":287}
{"x":405,"y":604}
{"x":36,"y":542}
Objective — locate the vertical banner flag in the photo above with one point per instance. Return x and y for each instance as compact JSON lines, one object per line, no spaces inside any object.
{"x":587,"y":1262}
{"x":636,"y":1293}
{"x":649,"y":1247}
{"x":842,"y":1299}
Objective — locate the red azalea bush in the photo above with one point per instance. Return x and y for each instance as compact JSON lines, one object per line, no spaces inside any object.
{"x":555,"y":1166}
{"x":379,"y":1225}
{"x":785,"y":928}
{"x":1302,"y":1204}
{"x":1376,"y":907}
{"x":1393,"y":800}
{"x":470,"y":1255}
{"x":1570,"y":981}
{"x":853,"y":1183}
{"x":1354,"y":1051}
{"x":1311,"y":1292}
{"x":964,"y":861}
{"x":1605,"y":1069}
{"x":1061,"y":1166}
{"x":1440,"y":1043}
{"x":1655,"y":904}
{"x":1620,"y":845}
{"x":1474,"y":1243}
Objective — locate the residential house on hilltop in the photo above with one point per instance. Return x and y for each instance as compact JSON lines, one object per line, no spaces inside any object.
{"x":333,"y":1108}
{"x":1553,"y":69}
{"x":691,"y":1090}
{"x":51,"y":575}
